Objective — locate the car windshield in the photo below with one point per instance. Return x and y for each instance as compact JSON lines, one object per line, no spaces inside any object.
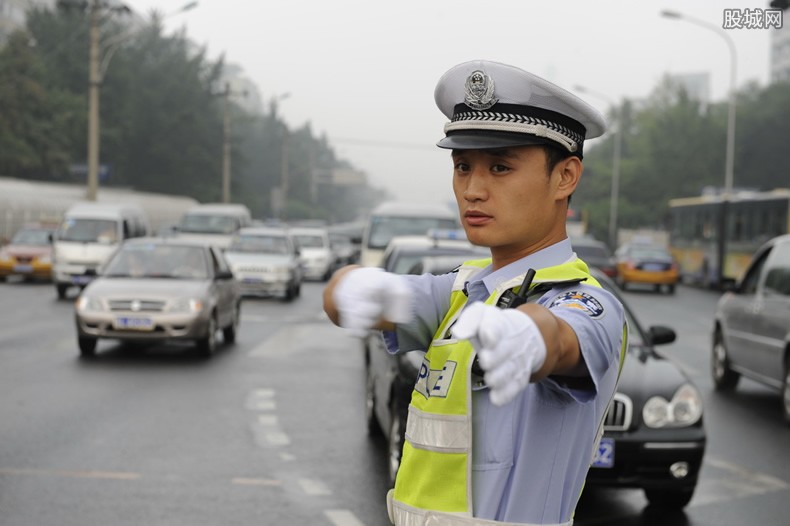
{"x":89,"y":230}
{"x":35,"y":237}
{"x":158,"y":261}
{"x":309,"y":241}
{"x":259,"y":244}
{"x":384,"y":228}
{"x":208,"y":224}
{"x":649,"y":253}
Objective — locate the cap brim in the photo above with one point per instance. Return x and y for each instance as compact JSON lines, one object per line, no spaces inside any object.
{"x":474,"y":141}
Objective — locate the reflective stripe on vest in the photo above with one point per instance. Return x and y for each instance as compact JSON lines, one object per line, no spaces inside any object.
{"x":436,"y":468}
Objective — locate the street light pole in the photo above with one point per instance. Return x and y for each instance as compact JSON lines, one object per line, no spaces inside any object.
{"x":729,"y":164}
{"x":614,"y":196}
{"x":96,"y":69}
{"x":226,"y":144}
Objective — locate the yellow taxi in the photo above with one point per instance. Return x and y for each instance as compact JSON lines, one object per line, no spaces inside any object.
{"x":639,"y":263}
{"x":29,"y":254}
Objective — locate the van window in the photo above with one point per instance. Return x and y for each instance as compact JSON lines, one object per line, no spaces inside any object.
{"x":89,"y":230}
{"x":209,"y":224}
{"x":384,"y":228}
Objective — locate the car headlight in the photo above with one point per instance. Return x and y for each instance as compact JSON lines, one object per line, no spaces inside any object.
{"x":87,"y":304}
{"x":45,"y":260}
{"x":186,"y":305}
{"x":685,"y":409}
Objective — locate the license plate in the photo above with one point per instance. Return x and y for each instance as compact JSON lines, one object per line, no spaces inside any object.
{"x":135,"y":324}
{"x":81,"y":280}
{"x":23,"y":268}
{"x":653,"y":267}
{"x":252,"y":280}
{"x":604,"y":457}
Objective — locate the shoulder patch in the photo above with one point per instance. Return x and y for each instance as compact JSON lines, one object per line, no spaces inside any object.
{"x":576,"y":299}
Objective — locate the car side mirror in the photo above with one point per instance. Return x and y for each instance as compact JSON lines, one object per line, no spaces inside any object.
{"x":223,"y":275}
{"x":659,"y":335}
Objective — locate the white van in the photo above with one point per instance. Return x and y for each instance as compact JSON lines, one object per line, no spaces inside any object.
{"x":395,"y":218}
{"x":88,"y":235}
{"x":214,"y":223}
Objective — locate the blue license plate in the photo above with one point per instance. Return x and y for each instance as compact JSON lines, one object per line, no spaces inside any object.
{"x":81,"y":280}
{"x":133,"y":323}
{"x":604,"y":457}
{"x":23,"y":269}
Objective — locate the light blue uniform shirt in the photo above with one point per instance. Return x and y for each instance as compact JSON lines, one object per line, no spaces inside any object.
{"x":530,"y":457}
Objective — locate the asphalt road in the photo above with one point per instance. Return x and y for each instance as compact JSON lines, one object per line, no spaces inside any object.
{"x":271,"y":430}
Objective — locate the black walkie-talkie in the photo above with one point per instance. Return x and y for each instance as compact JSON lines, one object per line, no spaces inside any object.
{"x":509,"y":300}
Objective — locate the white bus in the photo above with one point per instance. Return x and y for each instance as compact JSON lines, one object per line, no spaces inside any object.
{"x":396,"y":218}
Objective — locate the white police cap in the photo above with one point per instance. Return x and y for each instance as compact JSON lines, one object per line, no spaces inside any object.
{"x":494,"y":105}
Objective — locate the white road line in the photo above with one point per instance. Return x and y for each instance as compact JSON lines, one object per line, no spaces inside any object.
{"x":343,"y":518}
{"x":242,"y":481}
{"x":261,"y":400}
{"x":287,"y":457}
{"x":736,"y":482}
{"x":104,"y":475}
{"x":314,"y":487}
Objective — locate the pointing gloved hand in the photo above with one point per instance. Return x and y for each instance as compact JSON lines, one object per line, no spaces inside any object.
{"x":365,"y":295}
{"x":508,"y":344}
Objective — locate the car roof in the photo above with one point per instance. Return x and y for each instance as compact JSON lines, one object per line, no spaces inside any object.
{"x":167,"y":240}
{"x":262,"y":231}
{"x":410,"y":209}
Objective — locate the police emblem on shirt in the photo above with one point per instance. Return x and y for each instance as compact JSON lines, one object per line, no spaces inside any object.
{"x":479,"y":91}
{"x":579,"y":300}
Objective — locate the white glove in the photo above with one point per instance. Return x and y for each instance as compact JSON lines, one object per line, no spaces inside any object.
{"x":366,"y":295}
{"x":509,"y":346}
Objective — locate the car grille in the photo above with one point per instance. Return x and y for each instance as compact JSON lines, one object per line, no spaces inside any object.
{"x":137,"y":305}
{"x":618,"y":416}
{"x":258,"y":270}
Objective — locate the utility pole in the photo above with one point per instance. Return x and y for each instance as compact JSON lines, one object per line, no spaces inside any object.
{"x":227,"y":139}
{"x":226,"y":145}
{"x":93,"y":103}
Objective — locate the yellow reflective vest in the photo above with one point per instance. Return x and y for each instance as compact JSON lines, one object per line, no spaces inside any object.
{"x":436,"y":465}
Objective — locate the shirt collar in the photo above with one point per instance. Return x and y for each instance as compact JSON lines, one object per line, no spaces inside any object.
{"x":487,"y":280}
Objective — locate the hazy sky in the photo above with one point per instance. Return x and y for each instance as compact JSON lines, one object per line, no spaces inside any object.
{"x":363,"y":72}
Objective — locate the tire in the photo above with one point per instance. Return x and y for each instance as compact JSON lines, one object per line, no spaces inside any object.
{"x":87,"y":346}
{"x":61,"y":290}
{"x":671,"y":289}
{"x":372,"y":423}
{"x":786,"y":394}
{"x":207,"y":345}
{"x":395,"y":440}
{"x":724,"y":378}
{"x":669,"y":498}
{"x":290,"y":293}
{"x":229,"y":332}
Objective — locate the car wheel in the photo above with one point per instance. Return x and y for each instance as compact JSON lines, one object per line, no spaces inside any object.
{"x":298,"y":290}
{"x":786,"y":394}
{"x":669,"y":498}
{"x":671,"y":289}
{"x":621,"y":283}
{"x":61,"y":289}
{"x":374,"y":429}
{"x":290,"y":292}
{"x":208,"y":344}
{"x":87,"y":346}
{"x":724,"y":378}
{"x":395,"y":440}
{"x":229,"y":332}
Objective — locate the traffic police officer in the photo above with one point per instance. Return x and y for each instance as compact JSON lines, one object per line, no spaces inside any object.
{"x":524,"y":348}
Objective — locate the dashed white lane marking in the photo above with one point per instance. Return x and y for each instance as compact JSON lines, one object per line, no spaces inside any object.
{"x":736,"y":482}
{"x":104,"y":475}
{"x":241,"y":481}
{"x":314,"y":487}
{"x":343,"y":518}
{"x":287,"y":457}
{"x":261,"y":400}
{"x":317,"y":316}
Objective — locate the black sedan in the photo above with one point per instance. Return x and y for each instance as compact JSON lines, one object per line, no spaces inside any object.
{"x":654,"y":438}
